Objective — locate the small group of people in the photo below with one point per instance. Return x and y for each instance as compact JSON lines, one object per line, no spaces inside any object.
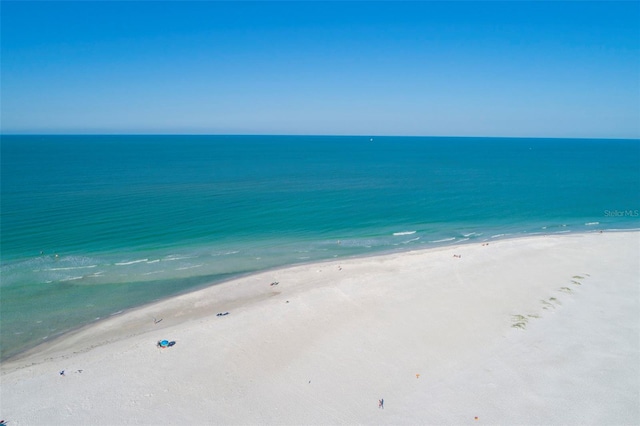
{"x":222,"y":314}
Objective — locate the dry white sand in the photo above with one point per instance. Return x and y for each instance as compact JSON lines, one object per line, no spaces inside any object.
{"x":538,"y":330}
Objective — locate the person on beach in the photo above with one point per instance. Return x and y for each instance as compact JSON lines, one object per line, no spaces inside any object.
{"x":381,"y":403}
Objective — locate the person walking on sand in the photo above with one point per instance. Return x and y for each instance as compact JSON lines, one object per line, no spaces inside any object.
{"x":381,"y":403}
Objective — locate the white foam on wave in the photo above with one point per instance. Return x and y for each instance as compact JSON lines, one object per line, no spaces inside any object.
{"x":131,"y":262}
{"x":592,"y":223}
{"x":397,"y":234}
{"x":154,"y":261}
{"x":153,"y":272}
{"x":443,"y":240}
{"x":224,"y":253}
{"x":188,"y":267}
{"x":69,"y":268}
{"x":71,"y":278}
{"x":471,"y":234}
{"x":411,"y":240}
{"x":173,"y":257}
{"x":499,"y":235}
{"x":623,"y":229}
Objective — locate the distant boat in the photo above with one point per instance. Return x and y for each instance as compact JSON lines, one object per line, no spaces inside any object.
{"x":371,"y":140}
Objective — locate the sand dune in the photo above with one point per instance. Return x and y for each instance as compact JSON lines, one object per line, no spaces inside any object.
{"x":538,"y":330}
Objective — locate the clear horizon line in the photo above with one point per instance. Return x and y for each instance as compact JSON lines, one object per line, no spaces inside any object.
{"x":315,"y":135}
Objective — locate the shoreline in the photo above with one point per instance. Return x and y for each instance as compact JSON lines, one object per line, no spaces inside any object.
{"x":547,"y":323}
{"x":53,"y":336}
{"x":33,"y":350}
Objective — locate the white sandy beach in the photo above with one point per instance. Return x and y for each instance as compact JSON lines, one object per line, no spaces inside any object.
{"x":536,"y":330}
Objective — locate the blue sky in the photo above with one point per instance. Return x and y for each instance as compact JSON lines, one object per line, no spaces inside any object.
{"x":545,"y":69}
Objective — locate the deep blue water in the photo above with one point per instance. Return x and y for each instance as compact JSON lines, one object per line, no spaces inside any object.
{"x":91,"y":225}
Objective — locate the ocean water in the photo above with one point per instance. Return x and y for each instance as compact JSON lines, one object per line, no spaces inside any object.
{"x":94,"y":225}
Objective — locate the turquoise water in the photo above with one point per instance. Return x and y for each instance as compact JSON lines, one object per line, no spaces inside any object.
{"x":93,"y":225}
